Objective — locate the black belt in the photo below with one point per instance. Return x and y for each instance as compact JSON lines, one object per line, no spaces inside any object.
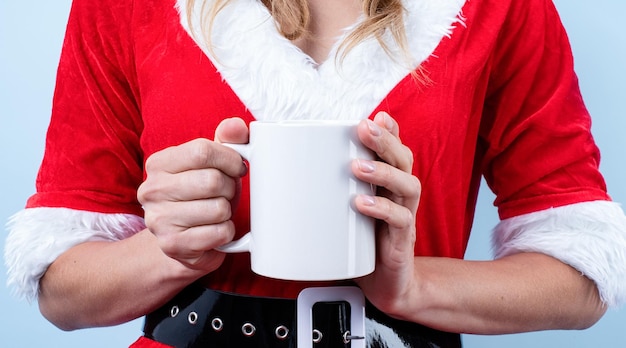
{"x":200,"y":317}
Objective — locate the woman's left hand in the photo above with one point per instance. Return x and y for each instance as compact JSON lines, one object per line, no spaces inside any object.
{"x":507,"y":295}
{"x":395,"y":208}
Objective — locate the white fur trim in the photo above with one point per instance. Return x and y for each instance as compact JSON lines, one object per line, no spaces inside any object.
{"x":276,"y":80}
{"x":379,"y":335}
{"x":590,"y":236}
{"x":37,"y":236}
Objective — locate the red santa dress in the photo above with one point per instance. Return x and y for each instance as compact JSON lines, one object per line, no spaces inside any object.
{"x":501,"y":101}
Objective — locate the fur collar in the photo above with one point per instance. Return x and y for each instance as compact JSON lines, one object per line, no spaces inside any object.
{"x":276,"y":80}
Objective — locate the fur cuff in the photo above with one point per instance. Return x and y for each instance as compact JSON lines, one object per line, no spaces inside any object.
{"x":590,"y":236}
{"x":37,"y":236}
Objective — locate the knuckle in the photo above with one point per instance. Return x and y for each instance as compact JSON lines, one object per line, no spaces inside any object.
{"x":409,"y":158}
{"x":148,"y":219}
{"x":215,"y":182}
{"x":415,"y":187}
{"x":382,"y":149}
{"x":388,"y":210}
{"x":153,"y":222}
{"x":207,"y":261}
{"x":200,"y":152}
{"x":151,"y":164}
{"x":197,"y":262}
{"x":142,"y":193}
{"x":147,"y":191}
{"x":407,"y":219}
{"x":169,"y":245}
{"x":222,"y":209}
{"x":224,"y":232}
{"x":158,"y":219}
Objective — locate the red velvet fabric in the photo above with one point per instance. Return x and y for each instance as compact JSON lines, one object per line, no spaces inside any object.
{"x":503,"y":101}
{"x":143,"y":342}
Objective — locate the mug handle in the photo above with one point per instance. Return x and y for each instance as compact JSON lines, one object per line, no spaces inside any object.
{"x":237,"y":246}
{"x":243,"y":243}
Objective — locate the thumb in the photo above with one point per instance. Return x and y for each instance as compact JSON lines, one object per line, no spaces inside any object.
{"x":232,"y":130}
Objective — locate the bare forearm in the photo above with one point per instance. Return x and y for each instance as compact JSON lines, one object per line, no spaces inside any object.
{"x":107,"y":283}
{"x":523,"y":292}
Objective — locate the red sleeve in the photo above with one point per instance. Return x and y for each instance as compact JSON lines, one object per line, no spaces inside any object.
{"x":541,"y":153}
{"x":92,"y":158}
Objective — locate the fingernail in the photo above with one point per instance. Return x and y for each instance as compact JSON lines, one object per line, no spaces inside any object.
{"x":374,"y":128}
{"x":366,"y":166}
{"x":368,"y":200}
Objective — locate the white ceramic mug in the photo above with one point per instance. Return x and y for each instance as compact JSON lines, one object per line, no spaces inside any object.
{"x":304,"y":225}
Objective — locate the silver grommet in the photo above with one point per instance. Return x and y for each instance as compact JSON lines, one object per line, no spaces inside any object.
{"x":217,"y":324}
{"x":174,"y":311}
{"x":347,"y":337}
{"x":281,"y":332}
{"x":248,"y":329}
{"x":192,"y":318}
{"x":317,"y":336}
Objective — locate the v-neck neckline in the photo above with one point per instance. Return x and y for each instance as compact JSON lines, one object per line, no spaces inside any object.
{"x":276,"y":80}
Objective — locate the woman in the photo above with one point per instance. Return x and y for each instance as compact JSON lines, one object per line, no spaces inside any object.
{"x":452,"y":90}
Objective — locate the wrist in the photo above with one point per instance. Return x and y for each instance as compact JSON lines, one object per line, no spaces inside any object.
{"x":425,"y":297}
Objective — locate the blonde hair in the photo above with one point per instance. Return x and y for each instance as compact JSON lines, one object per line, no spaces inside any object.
{"x":292,"y":19}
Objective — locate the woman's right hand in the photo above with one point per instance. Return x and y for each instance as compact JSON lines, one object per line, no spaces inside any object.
{"x":189,"y":193}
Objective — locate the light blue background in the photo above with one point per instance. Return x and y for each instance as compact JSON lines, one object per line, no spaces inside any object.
{"x":31,"y":33}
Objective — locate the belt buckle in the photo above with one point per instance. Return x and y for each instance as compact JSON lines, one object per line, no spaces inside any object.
{"x":310,"y":296}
